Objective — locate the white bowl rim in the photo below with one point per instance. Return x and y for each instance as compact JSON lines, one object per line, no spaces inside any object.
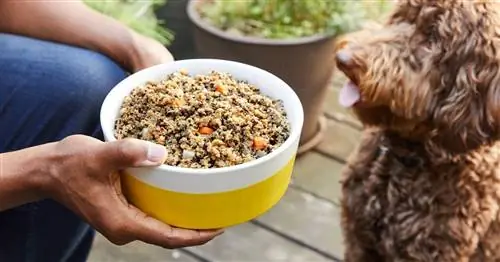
{"x":294,"y":134}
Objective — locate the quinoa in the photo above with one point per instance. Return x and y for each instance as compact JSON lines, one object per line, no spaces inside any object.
{"x":204,"y":121}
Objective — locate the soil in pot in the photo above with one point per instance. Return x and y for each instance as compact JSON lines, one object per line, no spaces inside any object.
{"x":306,"y":64}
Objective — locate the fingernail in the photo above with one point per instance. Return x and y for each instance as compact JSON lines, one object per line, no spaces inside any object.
{"x":156,"y":153}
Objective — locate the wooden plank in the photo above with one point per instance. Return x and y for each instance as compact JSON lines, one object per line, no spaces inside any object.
{"x":307,"y":219}
{"x":340,"y":140}
{"x":105,"y":251}
{"x":319,"y":175}
{"x":250,"y":243}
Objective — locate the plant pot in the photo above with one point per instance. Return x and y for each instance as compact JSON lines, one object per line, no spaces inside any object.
{"x":306,"y":64}
{"x":173,"y":13}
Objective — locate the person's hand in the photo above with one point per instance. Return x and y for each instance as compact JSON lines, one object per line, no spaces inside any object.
{"x":147,"y":52}
{"x":85,"y":178}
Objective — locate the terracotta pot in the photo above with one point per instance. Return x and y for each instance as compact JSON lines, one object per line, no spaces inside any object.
{"x":306,"y":64}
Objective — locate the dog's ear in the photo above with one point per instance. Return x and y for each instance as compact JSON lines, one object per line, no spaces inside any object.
{"x":468,"y":108}
{"x":468,"y":87}
{"x":416,"y":11}
{"x":463,"y":114}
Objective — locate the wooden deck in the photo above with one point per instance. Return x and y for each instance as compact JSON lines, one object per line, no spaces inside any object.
{"x":304,"y":226}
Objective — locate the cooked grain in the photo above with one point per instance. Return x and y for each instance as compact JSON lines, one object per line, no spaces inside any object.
{"x":204,"y":121}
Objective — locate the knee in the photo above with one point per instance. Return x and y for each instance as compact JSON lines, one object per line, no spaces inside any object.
{"x":51,"y":90}
{"x":63,"y":71}
{"x":91,"y":75}
{"x":82,"y":86}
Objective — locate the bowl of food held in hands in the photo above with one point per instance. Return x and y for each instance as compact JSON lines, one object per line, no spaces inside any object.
{"x":231,"y":132}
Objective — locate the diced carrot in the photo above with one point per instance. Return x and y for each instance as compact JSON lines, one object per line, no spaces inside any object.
{"x":221,"y":89}
{"x":259,"y":143}
{"x":205,"y":130}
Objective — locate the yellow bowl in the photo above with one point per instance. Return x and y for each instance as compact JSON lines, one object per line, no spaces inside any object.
{"x":218,"y":197}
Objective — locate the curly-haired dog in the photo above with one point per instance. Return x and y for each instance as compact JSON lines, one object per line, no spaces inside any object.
{"x":424,"y":184}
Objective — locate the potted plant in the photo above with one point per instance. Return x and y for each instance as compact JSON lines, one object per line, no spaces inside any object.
{"x":294,"y":39}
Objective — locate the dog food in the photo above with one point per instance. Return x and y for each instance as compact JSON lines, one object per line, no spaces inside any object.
{"x":204,"y":121}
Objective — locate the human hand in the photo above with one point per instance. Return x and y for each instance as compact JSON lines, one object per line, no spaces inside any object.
{"x":147,"y":52}
{"x":85,"y":178}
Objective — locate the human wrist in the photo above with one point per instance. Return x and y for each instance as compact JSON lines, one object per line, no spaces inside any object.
{"x":132,"y":54}
{"x":145,"y":52}
{"x":25,"y":175}
{"x":50,"y":165}
{"x":41,"y":163}
{"x":120,"y":45}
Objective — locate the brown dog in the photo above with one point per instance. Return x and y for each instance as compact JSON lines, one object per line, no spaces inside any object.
{"x":424,"y":184}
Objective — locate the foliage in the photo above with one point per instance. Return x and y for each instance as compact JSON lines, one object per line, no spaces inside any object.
{"x":137,"y":14}
{"x":289,"y":18}
{"x":378,"y":9}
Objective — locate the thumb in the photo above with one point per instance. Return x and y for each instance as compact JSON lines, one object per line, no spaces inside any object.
{"x":131,"y":152}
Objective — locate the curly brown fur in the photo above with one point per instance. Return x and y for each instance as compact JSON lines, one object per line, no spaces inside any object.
{"x":424,"y":183}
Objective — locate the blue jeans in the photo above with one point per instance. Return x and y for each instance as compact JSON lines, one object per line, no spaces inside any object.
{"x":48,"y":91}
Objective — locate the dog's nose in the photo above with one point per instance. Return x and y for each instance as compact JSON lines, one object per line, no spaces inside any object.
{"x":344,"y":57}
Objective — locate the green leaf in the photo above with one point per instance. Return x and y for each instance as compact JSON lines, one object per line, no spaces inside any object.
{"x":291,"y":18}
{"x":136,"y":14}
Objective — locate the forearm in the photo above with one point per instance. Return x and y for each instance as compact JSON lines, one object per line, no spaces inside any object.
{"x":70,"y":23}
{"x":23,"y":174}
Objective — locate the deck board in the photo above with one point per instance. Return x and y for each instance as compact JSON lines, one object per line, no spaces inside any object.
{"x":340,"y":140}
{"x":319,"y":175}
{"x":251,"y":243}
{"x":105,"y":251}
{"x":311,"y":220}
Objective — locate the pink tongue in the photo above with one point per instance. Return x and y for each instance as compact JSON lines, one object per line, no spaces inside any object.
{"x":349,"y":94}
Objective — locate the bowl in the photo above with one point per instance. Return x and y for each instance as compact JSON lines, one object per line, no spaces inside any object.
{"x":209,"y":198}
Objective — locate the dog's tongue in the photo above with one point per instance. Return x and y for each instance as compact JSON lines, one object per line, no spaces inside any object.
{"x":349,"y":94}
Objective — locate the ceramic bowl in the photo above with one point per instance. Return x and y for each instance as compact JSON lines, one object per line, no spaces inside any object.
{"x":217,"y":197}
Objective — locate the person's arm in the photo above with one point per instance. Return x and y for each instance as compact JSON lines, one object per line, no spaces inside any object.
{"x":76,"y":24}
{"x":21,"y":175}
{"x":82,"y":173}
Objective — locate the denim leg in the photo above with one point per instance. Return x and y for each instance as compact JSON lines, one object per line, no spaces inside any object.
{"x":48,"y":91}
